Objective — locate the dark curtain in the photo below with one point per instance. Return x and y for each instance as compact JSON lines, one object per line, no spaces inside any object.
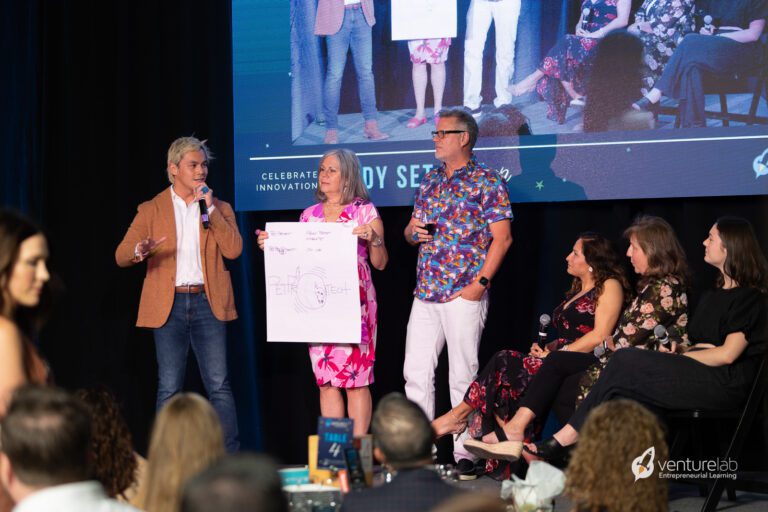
{"x":92,"y":95}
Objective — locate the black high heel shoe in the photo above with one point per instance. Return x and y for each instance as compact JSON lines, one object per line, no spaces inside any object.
{"x":550,"y":450}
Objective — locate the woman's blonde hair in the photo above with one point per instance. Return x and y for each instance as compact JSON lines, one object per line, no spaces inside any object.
{"x":186,"y":438}
{"x":599,"y":475}
{"x":351,"y":179}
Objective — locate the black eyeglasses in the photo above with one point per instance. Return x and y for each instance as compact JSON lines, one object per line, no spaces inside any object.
{"x":440,"y":134}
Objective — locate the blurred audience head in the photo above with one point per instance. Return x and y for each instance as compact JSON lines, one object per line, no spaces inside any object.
{"x":744,"y":260}
{"x":235,"y":483}
{"x":402,"y":434}
{"x":472,"y":502}
{"x":504,"y":121}
{"x":23,"y":270}
{"x":599,"y":475}
{"x":45,"y":438}
{"x":186,"y":438}
{"x":614,"y":83}
{"x":659,"y":242}
{"x":114,"y":461}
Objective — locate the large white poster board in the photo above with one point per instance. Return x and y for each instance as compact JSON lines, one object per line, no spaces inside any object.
{"x":423,"y":19}
{"x":312,"y":283}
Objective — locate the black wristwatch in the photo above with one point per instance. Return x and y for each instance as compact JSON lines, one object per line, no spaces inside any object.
{"x":484,"y":281}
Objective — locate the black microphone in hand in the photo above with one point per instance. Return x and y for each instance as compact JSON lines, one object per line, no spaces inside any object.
{"x":663,"y":336}
{"x":204,"y":209}
{"x":544,"y":321}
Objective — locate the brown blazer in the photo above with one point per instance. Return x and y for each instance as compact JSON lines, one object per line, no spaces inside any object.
{"x":155,"y":219}
{"x":330,"y":16}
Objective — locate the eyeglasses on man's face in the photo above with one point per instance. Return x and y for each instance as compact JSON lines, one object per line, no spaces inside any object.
{"x":440,"y":134}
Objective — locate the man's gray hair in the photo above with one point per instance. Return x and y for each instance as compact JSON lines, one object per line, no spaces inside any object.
{"x":181,"y":147}
{"x":466,"y":119}
{"x":402,"y":431}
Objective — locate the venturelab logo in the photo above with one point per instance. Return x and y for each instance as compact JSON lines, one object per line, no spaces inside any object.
{"x":643,"y":467}
{"x":760,"y":165}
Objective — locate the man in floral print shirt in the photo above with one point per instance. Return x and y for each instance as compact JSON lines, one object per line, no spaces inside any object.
{"x":469,"y":206}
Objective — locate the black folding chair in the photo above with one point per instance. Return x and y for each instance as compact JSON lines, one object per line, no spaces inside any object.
{"x":745,"y":416}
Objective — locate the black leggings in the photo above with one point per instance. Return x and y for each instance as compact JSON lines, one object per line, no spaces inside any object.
{"x":668,"y":382}
{"x":556,"y":385}
{"x":682,"y":77}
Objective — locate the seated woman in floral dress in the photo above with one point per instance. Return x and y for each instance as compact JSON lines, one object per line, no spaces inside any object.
{"x":661,"y":26}
{"x":561,"y":77}
{"x":588,"y":314}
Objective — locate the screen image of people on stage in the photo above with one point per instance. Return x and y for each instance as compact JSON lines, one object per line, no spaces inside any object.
{"x":672,"y":83}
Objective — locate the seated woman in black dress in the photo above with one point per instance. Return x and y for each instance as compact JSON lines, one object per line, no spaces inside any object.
{"x":565,"y":376}
{"x":729,"y":335}
{"x":588,"y":314}
{"x":729,"y":45}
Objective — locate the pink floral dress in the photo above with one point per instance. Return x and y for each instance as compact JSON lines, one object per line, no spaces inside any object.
{"x":343,"y":365}
{"x":430,"y":51}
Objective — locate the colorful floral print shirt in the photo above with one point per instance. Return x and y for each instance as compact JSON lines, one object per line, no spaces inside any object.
{"x":463,"y":207}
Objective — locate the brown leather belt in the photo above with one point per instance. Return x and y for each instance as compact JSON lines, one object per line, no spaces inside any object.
{"x":190,"y":288}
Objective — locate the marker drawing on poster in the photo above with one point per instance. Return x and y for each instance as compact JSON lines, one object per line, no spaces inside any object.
{"x":312,"y":283}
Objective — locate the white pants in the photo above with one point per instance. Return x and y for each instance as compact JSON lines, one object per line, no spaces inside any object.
{"x":459,"y":323}
{"x":504,"y":13}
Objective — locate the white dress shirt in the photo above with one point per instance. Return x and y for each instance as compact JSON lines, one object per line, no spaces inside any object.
{"x":189,"y":265}
{"x":77,"y":497}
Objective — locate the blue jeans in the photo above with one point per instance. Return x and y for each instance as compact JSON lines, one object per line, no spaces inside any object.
{"x":355,"y":33}
{"x":192,"y":322}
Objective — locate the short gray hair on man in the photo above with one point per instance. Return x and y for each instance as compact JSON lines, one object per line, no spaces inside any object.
{"x":350,"y":176}
{"x":466,"y":118}
{"x":234,"y":483}
{"x":402,"y":431}
{"x":181,"y":147}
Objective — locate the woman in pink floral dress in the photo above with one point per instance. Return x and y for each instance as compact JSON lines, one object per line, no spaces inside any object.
{"x":344,"y":198}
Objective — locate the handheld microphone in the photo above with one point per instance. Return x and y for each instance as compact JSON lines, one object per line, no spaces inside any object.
{"x":204,"y":209}
{"x":662,"y":335}
{"x":585,"y":17}
{"x":708,"y":24}
{"x":544,"y":321}
{"x":602,"y":348}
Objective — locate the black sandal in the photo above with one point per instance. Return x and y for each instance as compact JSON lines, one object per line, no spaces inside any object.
{"x":549,"y":450}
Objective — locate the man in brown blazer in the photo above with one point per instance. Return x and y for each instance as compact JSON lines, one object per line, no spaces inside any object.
{"x":187,"y":295}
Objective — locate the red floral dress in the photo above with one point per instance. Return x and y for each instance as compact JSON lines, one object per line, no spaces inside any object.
{"x":571,"y":58}
{"x":340,"y":365}
{"x":498,"y":388}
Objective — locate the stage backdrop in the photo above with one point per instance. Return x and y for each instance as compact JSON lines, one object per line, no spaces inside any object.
{"x":279,"y":69}
{"x":93,"y":94}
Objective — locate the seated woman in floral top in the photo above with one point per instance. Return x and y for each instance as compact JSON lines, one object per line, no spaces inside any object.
{"x":587,"y":315}
{"x":658,"y":258}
